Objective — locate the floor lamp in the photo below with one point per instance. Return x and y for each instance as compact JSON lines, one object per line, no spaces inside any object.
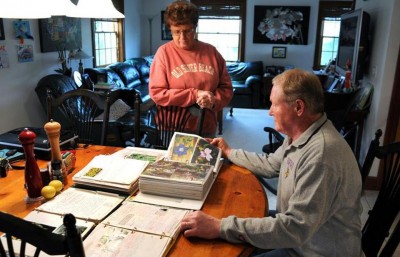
{"x":81,"y":55}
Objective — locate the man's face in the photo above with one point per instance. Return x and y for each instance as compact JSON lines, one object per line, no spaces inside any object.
{"x":284,"y":113}
{"x":183,"y":36}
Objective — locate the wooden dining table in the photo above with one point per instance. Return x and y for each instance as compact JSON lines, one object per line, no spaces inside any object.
{"x":236,"y":191}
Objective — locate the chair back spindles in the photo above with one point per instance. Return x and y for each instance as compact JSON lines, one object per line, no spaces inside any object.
{"x":171,"y":119}
{"x":42,"y":240}
{"x":79,"y":109}
{"x":377,"y":228}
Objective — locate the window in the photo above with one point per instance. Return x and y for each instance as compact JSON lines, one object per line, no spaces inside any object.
{"x":328,"y":30}
{"x":108,"y":39}
{"x":330,"y":39}
{"x":220,"y":24}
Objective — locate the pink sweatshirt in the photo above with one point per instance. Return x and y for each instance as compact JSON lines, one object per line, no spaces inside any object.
{"x":177,"y":74}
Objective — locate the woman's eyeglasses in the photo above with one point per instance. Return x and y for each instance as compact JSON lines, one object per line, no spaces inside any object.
{"x":185,"y":32}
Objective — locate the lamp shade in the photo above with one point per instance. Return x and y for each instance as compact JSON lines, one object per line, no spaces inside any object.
{"x":80,"y":55}
{"x":24,"y":9}
{"x":62,"y":8}
{"x":97,"y":9}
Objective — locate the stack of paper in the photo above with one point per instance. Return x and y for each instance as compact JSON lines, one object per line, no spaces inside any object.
{"x":111,"y":173}
{"x":187,"y":171}
{"x":176,"y":179}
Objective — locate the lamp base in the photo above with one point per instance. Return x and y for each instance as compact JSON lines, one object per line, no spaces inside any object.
{"x":80,"y":68}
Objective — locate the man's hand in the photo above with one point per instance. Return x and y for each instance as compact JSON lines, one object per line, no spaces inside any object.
{"x":222,"y":144}
{"x":199,"y":224}
{"x":205,"y":99}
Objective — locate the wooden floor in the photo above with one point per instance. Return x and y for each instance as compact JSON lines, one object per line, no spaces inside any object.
{"x":245,"y":130}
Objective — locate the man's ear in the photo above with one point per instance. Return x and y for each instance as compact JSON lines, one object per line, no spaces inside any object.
{"x":299,"y":106}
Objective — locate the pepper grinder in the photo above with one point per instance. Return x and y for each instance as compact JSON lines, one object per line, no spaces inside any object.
{"x":53,"y":129}
{"x":33,"y":179}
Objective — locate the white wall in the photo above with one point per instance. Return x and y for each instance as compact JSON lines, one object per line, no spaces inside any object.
{"x":385,"y":40}
{"x":298,"y":55}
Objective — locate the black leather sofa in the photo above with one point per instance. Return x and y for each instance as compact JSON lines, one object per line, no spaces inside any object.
{"x":132,"y":74}
{"x":247,"y":82}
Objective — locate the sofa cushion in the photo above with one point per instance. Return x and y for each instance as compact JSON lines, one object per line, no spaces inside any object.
{"x":128,"y":74}
{"x":143,"y":67}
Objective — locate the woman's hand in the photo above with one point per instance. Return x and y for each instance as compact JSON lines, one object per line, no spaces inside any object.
{"x":205,"y":99}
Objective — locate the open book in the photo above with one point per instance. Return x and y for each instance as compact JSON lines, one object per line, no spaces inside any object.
{"x":136,"y":229}
{"x":83,"y":204}
{"x":190,"y":148}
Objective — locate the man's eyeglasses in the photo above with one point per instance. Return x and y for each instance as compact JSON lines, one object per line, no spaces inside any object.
{"x":185,"y":32}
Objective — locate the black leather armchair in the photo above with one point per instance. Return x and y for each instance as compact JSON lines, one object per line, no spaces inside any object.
{"x":247,"y":82}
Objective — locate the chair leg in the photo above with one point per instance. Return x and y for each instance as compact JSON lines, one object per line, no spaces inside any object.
{"x":220,"y":118}
{"x":231,"y":112}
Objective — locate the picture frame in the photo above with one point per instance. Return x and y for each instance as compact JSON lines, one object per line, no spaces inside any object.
{"x":60,"y":33}
{"x":165,"y":32}
{"x":101,"y":78}
{"x":2,"y":35}
{"x":281,"y":24}
{"x":279,"y":52}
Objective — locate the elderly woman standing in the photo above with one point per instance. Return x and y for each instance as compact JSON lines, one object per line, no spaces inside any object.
{"x":186,"y":71}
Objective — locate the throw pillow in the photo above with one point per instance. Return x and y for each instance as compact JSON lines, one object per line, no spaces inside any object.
{"x":118,"y":109}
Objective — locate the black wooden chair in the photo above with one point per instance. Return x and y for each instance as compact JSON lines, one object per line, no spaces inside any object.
{"x":275,"y":140}
{"x":42,"y":239}
{"x":171,"y":119}
{"x":77,"y":110}
{"x":370,"y":157}
{"x":132,"y":124}
{"x":381,"y":221}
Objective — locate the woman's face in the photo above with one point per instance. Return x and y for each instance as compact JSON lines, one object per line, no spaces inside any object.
{"x":183,"y":36}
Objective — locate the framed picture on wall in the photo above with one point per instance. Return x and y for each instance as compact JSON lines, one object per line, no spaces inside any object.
{"x":281,"y":24}
{"x":165,"y":32}
{"x":278,"y":52}
{"x":2,"y":36}
{"x":59,"y":33}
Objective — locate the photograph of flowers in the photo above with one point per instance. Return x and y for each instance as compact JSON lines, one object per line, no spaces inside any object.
{"x":281,"y":24}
